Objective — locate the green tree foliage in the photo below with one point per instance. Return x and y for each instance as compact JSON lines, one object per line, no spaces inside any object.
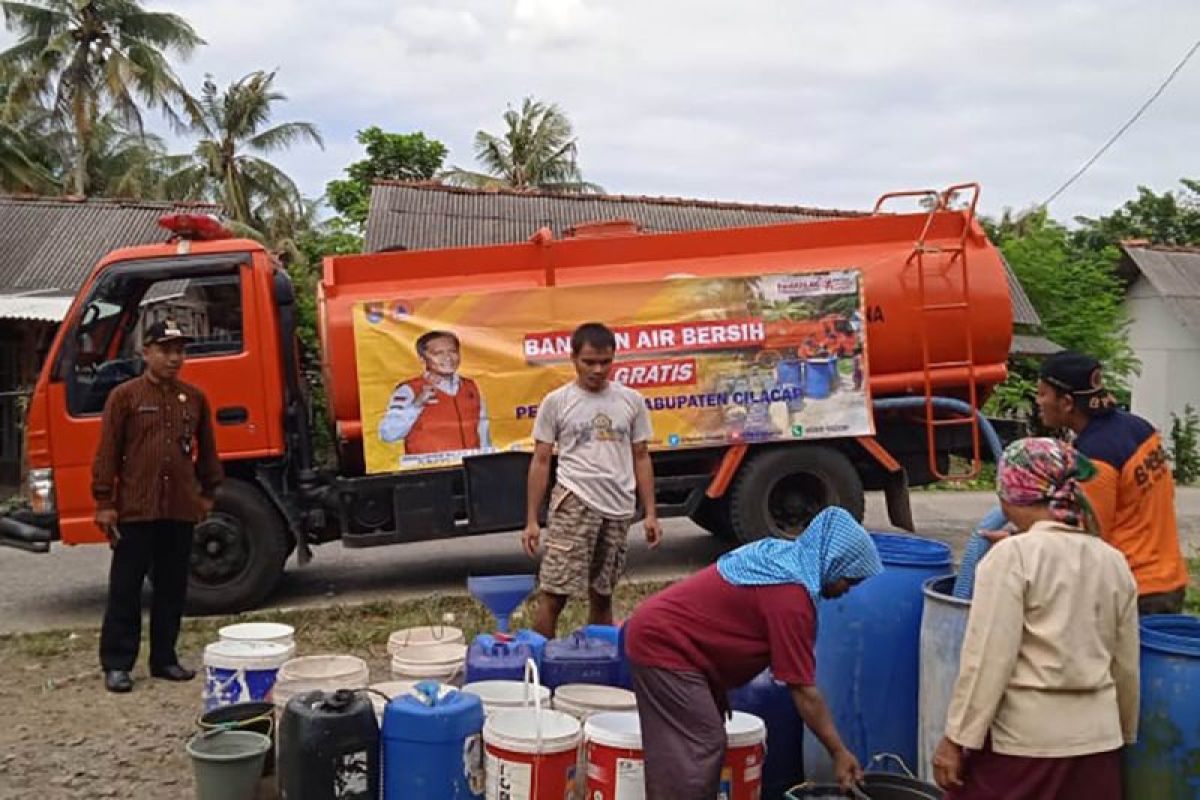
{"x":390,"y":156}
{"x":1076,"y":292}
{"x":228,"y":164}
{"x":1185,"y":446}
{"x":85,"y":59}
{"x":1167,"y":218}
{"x":26,"y":163}
{"x":536,"y":151}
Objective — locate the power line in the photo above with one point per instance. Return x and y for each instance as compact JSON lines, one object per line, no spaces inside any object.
{"x":1129,"y":124}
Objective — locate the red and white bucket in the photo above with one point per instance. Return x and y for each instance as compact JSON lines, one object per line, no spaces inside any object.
{"x":745,"y":749}
{"x":531,"y":752}
{"x":615,"y":766}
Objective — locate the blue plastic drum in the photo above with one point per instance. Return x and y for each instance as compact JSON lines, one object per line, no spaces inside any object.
{"x":1165,"y":762}
{"x":868,"y":655}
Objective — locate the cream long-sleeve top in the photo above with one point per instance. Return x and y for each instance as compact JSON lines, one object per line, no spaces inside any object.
{"x":1050,"y":657}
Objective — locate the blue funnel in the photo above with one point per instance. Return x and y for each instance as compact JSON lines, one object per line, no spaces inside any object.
{"x":501,"y":594}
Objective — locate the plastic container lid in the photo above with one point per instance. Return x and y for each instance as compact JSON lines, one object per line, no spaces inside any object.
{"x":246,"y":655}
{"x":257,"y":632}
{"x":1176,"y":634}
{"x":511,"y":694}
{"x":911,"y":551}
{"x":441,"y":714}
{"x":516,"y":730}
{"x":592,"y":696}
{"x":615,"y":729}
{"x":745,"y":730}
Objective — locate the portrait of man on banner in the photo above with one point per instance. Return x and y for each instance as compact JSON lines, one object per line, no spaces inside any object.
{"x":439,"y":410}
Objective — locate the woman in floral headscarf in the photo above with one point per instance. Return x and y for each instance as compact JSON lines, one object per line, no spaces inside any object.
{"x":1047,"y":690}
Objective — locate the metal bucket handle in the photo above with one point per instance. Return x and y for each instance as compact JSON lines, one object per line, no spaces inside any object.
{"x":884,"y":757}
{"x":854,"y":792}
{"x":533,"y":680}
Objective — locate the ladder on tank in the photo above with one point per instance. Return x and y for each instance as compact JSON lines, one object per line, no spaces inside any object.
{"x":944,"y":261}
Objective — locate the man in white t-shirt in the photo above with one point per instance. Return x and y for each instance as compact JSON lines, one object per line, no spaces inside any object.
{"x":602,"y":432}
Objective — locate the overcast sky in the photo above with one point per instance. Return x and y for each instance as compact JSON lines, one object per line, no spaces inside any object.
{"x":822,"y":104}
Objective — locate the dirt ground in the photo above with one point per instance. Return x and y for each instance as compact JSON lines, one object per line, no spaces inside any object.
{"x":62,"y":737}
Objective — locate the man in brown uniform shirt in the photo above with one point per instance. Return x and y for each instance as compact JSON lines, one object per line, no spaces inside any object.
{"x":154,"y":477}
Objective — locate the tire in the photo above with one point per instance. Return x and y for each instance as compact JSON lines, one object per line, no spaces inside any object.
{"x":779,"y":491}
{"x":238,"y":553}
{"x":713,"y":516}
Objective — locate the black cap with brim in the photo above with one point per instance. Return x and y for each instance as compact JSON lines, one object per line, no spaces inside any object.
{"x":165,"y":331}
{"x":1080,"y":376}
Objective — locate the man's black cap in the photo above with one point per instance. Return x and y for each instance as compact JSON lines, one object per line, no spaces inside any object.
{"x":166,"y":330}
{"x":1079,"y":376}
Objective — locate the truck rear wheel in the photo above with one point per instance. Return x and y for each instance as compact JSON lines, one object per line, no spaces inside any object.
{"x":238,"y":553}
{"x":779,"y":491}
{"x":713,"y":516}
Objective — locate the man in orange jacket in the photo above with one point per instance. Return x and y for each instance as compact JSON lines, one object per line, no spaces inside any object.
{"x":1133,"y":492}
{"x":439,"y":410}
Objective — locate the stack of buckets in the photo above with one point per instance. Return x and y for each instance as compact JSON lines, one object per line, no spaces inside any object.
{"x":243,"y":665}
{"x":434,"y":653}
{"x":587,"y":743}
{"x":235,"y":746}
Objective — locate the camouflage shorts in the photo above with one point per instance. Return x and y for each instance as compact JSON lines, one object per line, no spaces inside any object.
{"x":583,"y":549}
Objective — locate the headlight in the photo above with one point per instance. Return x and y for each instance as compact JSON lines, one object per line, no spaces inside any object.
{"x":41,"y":490}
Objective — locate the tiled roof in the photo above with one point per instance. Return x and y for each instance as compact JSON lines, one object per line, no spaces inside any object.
{"x":53,"y":243}
{"x":427,"y":216}
{"x":1174,"y":272}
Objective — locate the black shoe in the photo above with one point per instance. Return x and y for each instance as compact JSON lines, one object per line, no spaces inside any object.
{"x":118,"y":680}
{"x":173,"y":672}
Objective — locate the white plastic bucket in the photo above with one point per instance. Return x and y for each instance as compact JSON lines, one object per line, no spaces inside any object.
{"x":240,"y":672}
{"x":275,"y":632}
{"x":434,"y":662}
{"x":390,"y":689}
{"x":531,"y":752}
{"x":424,"y":636}
{"x":615,"y":764}
{"x":499,"y":695}
{"x":582,"y":700}
{"x":329,"y":671}
{"x":745,"y":752}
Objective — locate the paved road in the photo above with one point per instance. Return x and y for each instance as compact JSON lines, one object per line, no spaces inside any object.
{"x":66,"y":587}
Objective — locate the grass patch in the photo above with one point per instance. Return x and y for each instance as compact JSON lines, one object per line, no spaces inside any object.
{"x":361,"y":629}
{"x":985,"y":481}
{"x":1191,"y":605}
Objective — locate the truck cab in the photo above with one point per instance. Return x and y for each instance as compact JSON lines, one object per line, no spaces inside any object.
{"x":226,"y":294}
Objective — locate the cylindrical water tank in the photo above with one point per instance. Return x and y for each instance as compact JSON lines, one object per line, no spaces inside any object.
{"x":1165,"y":762}
{"x":868,"y":655}
{"x":943,"y":624}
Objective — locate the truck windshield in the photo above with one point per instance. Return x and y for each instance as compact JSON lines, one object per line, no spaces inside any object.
{"x":103,"y":350}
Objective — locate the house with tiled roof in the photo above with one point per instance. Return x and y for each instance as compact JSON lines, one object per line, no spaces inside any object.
{"x":1162,"y":300}
{"x":48,"y":246}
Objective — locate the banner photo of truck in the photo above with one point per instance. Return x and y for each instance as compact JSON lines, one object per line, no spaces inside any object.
{"x":719,"y":361}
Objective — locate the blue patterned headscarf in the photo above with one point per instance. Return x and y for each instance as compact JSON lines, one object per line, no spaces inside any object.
{"x":833,"y":546}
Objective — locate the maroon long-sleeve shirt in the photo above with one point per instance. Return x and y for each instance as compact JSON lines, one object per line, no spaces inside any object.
{"x":157,"y":456}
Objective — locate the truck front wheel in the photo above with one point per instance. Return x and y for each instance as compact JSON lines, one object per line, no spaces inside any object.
{"x":779,"y":491}
{"x":238,"y":552}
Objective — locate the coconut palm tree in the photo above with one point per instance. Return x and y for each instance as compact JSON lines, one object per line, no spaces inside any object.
{"x":20,"y":168}
{"x":227,"y":166}
{"x":536,"y":151}
{"x":83,"y":59}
